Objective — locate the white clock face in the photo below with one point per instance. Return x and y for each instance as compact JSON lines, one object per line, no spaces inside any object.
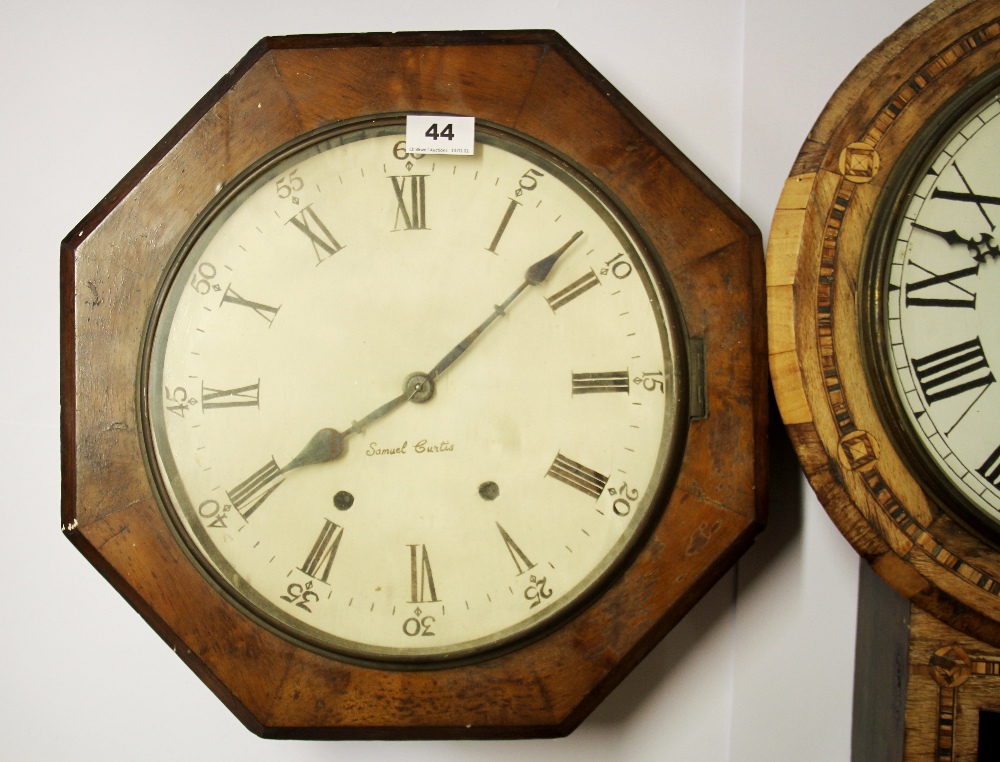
{"x":413,"y":409}
{"x":941,"y":315}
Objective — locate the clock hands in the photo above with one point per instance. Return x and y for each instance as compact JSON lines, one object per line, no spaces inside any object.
{"x":533,"y":276}
{"x":328,"y":444}
{"x":980,"y":249}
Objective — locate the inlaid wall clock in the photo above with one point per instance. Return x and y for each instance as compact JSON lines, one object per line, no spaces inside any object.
{"x":884,"y":340}
{"x":400,"y":443}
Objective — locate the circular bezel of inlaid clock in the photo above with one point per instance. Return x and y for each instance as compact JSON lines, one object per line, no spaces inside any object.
{"x":413,"y":409}
{"x":931,"y":323}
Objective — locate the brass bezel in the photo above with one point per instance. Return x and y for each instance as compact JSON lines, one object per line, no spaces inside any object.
{"x":588,"y":590}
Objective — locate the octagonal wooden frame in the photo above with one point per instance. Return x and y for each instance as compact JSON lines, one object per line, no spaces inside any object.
{"x":530,"y":81}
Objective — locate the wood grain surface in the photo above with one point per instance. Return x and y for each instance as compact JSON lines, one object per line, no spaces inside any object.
{"x":111,"y":266}
{"x":816,"y":250}
{"x":951,"y":678}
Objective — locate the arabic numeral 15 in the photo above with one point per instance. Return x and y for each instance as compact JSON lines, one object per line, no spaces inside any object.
{"x":651,"y":381}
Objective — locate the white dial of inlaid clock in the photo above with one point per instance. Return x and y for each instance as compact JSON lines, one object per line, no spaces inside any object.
{"x":943,"y":317}
{"x":412,"y":408}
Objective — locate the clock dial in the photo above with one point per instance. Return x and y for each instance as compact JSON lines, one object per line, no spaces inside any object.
{"x":941,"y":344}
{"x":413,"y":408}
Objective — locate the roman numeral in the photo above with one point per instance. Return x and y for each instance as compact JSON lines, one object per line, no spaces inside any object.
{"x":320,"y":559}
{"x":577,"y":476}
{"x":969,"y":197}
{"x":503,"y":225}
{"x":243,"y":396}
{"x":249,"y":494}
{"x":597,"y":383}
{"x":411,"y":208}
{"x":573,"y":290}
{"x":990,"y":470}
{"x":922,"y":301}
{"x":309,"y":224}
{"x":265,"y":311}
{"x":516,"y":554}
{"x":421,"y":577}
{"x":952,"y":371}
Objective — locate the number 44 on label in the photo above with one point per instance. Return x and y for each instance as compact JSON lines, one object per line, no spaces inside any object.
{"x":440,"y":133}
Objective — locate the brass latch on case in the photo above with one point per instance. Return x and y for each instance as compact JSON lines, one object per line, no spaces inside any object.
{"x":697,"y":398}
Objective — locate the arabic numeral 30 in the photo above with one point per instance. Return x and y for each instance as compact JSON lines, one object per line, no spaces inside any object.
{"x":418,"y":625}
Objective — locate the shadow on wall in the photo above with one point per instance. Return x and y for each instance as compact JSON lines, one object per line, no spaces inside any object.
{"x":784,"y":525}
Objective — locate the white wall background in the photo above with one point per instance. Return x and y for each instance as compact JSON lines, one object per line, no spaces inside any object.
{"x":761,"y":669}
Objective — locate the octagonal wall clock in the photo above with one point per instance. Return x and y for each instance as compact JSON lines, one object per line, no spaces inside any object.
{"x":884,"y":346}
{"x":389,"y":443}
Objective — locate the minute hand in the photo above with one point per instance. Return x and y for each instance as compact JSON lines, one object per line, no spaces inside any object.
{"x":533,"y":276}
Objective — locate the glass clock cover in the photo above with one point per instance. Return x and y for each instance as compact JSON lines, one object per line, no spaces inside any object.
{"x":413,"y":408}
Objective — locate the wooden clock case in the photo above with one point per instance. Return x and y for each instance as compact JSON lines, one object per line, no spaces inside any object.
{"x":816,"y":249}
{"x":532,"y":82}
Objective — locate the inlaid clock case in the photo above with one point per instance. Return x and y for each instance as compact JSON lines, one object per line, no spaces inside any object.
{"x":863,"y":275}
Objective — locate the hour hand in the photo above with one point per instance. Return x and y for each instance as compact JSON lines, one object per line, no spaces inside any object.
{"x":980,"y":248}
{"x":325,"y":445}
{"x":329,"y":444}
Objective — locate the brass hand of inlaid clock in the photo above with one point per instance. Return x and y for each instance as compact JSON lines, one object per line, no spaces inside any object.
{"x":980,"y":249}
{"x":328,"y":444}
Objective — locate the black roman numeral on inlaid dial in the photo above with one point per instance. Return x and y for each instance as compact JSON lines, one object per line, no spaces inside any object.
{"x":312,"y":227}
{"x":266,"y":311}
{"x":249,"y":494}
{"x":411,"y":202}
{"x":580,"y":286}
{"x":960,"y":296}
{"x":319,"y":562}
{"x":951,"y":371}
{"x":241,"y":396}
{"x":421,"y":577}
{"x":598,"y":383}
{"x":990,"y":470}
{"x":577,"y":476}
